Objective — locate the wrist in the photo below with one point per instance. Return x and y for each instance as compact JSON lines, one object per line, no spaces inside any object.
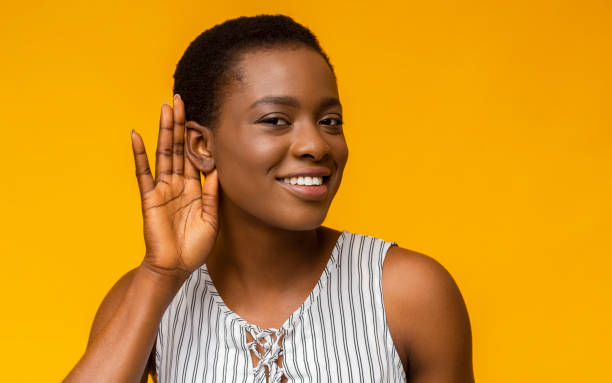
{"x":164,"y":276}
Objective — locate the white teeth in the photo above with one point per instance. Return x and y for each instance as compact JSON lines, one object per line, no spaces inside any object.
{"x":307,"y":181}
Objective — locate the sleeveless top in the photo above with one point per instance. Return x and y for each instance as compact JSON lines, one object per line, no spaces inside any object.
{"x":339,"y":334}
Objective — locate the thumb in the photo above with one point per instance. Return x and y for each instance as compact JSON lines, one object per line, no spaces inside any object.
{"x":210,"y":198}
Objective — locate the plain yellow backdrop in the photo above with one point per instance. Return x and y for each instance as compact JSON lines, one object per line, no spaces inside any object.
{"x":479,"y":131}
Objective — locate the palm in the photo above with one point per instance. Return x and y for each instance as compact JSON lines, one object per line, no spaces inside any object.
{"x":180,"y":218}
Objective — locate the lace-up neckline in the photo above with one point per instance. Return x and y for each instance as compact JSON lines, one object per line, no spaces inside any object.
{"x":271,"y":340}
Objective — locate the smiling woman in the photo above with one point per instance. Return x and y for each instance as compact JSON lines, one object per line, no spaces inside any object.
{"x":240,"y":281}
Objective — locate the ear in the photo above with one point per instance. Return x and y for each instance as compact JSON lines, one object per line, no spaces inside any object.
{"x":198,"y":146}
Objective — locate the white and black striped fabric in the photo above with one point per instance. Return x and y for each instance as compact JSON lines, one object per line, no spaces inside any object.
{"x":339,"y":334}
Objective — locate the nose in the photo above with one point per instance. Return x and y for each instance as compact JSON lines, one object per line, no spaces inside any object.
{"x":309,"y":142}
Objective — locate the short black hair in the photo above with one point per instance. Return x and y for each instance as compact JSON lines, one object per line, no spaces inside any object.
{"x":203,"y":70}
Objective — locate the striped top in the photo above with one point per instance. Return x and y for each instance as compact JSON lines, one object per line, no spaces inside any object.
{"x":339,"y":334}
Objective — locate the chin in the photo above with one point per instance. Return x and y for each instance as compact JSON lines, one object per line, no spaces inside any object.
{"x":301,"y":220}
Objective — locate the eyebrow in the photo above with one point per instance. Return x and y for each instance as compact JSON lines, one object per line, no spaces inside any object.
{"x":293,"y":102}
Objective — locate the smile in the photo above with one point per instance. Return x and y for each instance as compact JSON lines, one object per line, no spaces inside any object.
{"x":306,"y":188}
{"x":307,"y":181}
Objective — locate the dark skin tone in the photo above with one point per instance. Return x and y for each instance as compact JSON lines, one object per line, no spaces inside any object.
{"x":260,"y":240}
{"x":260,"y":220}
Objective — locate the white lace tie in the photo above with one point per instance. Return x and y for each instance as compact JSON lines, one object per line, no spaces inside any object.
{"x":270,"y":341}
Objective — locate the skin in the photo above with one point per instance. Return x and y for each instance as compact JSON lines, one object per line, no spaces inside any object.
{"x":260,"y":219}
{"x":253,"y":234}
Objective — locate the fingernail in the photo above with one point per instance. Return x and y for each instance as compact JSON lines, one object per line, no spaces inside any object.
{"x":132,"y":133}
{"x":165,"y":103}
{"x":177,"y":97}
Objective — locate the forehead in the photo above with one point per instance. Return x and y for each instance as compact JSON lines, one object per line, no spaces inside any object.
{"x":299,"y":72}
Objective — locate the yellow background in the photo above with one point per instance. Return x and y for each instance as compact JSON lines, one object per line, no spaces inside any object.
{"x":479,"y":131}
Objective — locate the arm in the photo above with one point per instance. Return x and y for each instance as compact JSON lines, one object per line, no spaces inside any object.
{"x":124,"y":329}
{"x":427,"y":318}
{"x":108,"y":307}
{"x":180,"y":228}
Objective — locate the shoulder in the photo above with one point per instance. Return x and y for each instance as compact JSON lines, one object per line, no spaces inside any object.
{"x":427,"y":317}
{"x":415,"y":278}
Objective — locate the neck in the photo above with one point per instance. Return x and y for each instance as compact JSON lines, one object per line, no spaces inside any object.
{"x":258,"y":259}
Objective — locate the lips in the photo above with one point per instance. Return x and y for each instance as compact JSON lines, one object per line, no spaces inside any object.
{"x":305,"y":192}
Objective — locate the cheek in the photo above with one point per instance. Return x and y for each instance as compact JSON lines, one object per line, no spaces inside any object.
{"x":340,"y":150}
{"x":245,"y":164}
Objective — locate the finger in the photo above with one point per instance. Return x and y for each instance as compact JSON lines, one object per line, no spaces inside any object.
{"x":163,"y":155}
{"x":143,"y":171}
{"x":210,"y":197}
{"x":178,"y":143}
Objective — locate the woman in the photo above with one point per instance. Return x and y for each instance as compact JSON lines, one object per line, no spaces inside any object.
{"x":257,"y":110}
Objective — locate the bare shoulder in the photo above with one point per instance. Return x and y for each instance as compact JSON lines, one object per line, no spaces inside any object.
{"x":427,"y":318}
{"x":108,"y":306}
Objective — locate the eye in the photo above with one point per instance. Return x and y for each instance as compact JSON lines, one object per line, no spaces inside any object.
{"x":275,"y":121}
{"x":331,"y":121}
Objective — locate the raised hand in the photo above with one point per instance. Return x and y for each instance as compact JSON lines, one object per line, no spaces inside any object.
{"x":179,"y":216}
